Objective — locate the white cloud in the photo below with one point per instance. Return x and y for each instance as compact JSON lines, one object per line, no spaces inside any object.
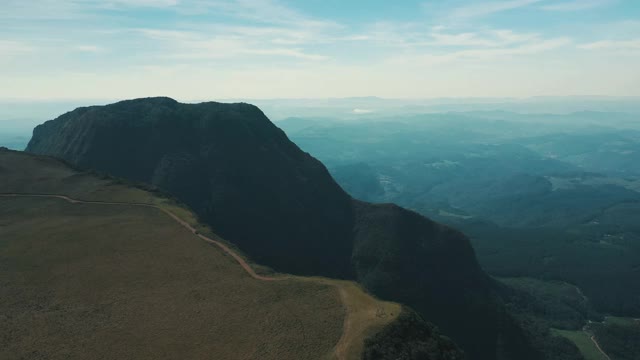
{"x":10,"y":48}
{"x":257,"y":11}
{"x":296,"y":53}
{"x":40,"y":9}
{"x":525,"y":49}
{"x":612,"y":45}
{"x":489,"y":7}
{"x":193,"y":45}
{"x":510,"y":36}
{"x":487,"y":38}
{"x":89,"y":48}
{"x":414,"y":37}
{"x":362,"y":111}
{"x":461,"y":39}
{"x":576,"y":5}
{"x":481,"y":55}
{"x":139,"y":3}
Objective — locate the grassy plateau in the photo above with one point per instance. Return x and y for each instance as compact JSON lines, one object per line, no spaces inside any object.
{"x":97,"y":281}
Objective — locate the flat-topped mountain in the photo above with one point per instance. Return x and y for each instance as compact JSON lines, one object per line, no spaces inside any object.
{"x":244,"y":178}
{"x":228,"y":163}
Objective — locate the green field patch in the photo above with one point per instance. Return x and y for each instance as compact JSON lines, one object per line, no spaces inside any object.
{"x":583,"y":341}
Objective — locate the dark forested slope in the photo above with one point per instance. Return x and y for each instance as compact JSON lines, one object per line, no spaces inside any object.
{"x":227,"y":162}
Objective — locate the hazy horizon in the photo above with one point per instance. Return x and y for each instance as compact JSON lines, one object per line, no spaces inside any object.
{"x":355,"y":97}
{"x":23,"y":113}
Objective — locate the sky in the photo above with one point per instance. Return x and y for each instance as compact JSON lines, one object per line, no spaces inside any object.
{"x":219,"y":49}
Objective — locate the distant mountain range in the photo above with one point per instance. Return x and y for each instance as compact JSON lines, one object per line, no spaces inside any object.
{"x":547,"y":196}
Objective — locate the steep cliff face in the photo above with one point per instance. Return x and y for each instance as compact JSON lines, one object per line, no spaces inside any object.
{"x":399,"y":254}
{"x":410,"y":338}
{"x":243,"y":176}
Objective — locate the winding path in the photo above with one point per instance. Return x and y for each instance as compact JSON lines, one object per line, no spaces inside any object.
{"x":341,"y":347}
{"x":593,"y":338}
{"x":184,"y":224}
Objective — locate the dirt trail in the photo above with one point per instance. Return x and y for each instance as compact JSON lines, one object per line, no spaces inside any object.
{"x":593,"y":338}
{"x":341,"y":347}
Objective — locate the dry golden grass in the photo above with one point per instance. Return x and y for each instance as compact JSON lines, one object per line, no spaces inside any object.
{"x":365,"y":316}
